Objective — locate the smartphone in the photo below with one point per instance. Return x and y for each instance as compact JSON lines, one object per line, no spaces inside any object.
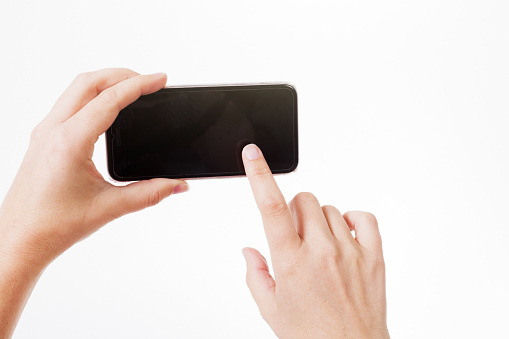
{"x":200,"y":131}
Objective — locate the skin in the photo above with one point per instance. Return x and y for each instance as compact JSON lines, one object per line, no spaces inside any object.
{"x":58,"y":197}
{"x":326,"y":283}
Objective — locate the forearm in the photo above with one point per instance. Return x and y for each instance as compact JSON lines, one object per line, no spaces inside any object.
{"x":18,"y":276}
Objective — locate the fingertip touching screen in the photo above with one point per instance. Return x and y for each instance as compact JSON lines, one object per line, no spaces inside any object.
{"x":201,"y":131}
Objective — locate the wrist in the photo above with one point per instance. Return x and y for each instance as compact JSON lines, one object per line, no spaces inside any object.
{"x":19,"y":272}
{"x":17,"y":251}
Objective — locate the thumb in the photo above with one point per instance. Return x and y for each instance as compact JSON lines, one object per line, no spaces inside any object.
{"x":142,"y":194}
{"x":259,"y":281}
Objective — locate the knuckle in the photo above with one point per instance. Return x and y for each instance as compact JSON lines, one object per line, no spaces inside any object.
{"x":361,"y":218}
{"x":274,"y":208}
{"x":304,"y":197}
{"x":124,"y":70}
{"x":109,"y":98}
{"x":260,"y":172}
{"x":36,"y":132}
{"x":154,"y":198}
{"x":61,"y":145}
{"x":330,"y":209}
{"x":370,"y":218}
{"x":83,"y":77}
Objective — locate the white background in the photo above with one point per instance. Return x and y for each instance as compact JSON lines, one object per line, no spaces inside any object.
{"x":404,"y":112}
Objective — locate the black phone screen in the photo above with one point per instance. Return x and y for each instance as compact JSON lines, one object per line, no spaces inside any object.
{"x":201,"y":131}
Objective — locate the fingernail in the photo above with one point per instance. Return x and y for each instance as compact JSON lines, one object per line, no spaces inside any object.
{"x":159,"y":74}
{"x":251,"y":152}
{"x":184,"y":187}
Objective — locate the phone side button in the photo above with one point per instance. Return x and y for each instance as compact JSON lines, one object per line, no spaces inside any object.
{"x":117,"y":136}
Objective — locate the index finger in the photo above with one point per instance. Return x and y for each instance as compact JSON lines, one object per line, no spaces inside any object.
{"x":84,"y":88}
{"x":277,"y":220}
{"x":100,"y":113}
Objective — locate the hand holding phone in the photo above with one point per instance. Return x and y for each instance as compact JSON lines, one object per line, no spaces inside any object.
{"x":58,"y":197}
